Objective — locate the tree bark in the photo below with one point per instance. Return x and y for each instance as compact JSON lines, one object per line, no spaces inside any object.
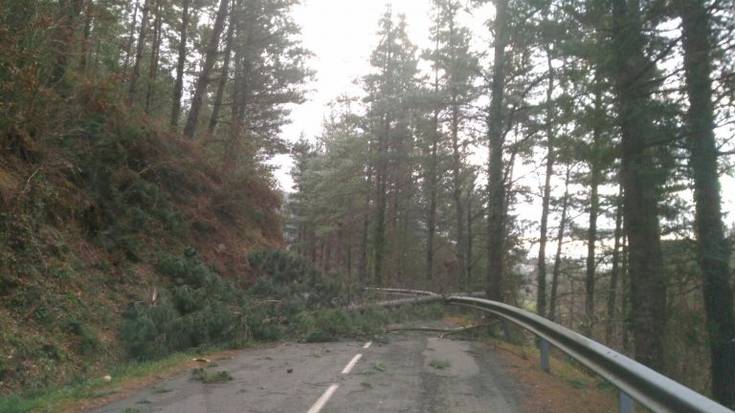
{"x":432,"y":180}
{"x":625,"y":293}
{"x":457,"y":194}
{"x":550,"y":159}
{"x":240,"y":94}
{"x":153,"y":69}
{"x":210,"y":57}
{"x":224,"y":75}
{"x":180,"y":64}
{"x":648,"y":289}
{"x":470,"y":235}
{"x":496,"y":137}
{"x":131,"y":36}
{"x":595,"y":178}
{"x":84,"y":53}
{"x":364,"y":239}
{"x":713,"y":252}
{"x":132,"y":88}
{"x":456,"y":158}
{"x":614,"y":272}
{"x":559,"y":243}
{"x":431,"y":224}
{"x":381,"y":177}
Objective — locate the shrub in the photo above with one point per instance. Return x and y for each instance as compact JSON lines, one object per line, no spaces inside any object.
{"x":201,"y":310}
{"x":208,"y":377}
{"x":288,"y":276}
{"x":88,"y":341}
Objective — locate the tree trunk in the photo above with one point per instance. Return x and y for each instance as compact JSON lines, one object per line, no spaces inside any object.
{"x":180,"y":64}
{"x":348,"y":253}
{"x":550,"y":158}
{"x":131,"y":36}
{"x":625,"y":293}
{"x":595,"y":178}
{"x":381,"y":203}
{"x":496,"y":186}
{"x":432,"y":180}
{"x":364,"y":239}
{"x":713,"y":251}
{"x":139,"y":53}
{"x":240,"y":96}
{"x":559,"y":243}
{"x":639,"y":184}
{"x":457,"y":195}
{"x":432,"y":210}
{"x":470,"y":235}
{"x":84,"y":54}
{"x":214,"y":118}
{"x":614,"y":272}
{"x":210,"y":57}
{"x":153,"y":70}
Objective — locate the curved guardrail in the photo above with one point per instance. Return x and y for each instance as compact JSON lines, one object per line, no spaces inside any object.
{"x":648,"y":387}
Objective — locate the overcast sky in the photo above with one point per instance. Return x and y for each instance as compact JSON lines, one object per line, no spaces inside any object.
{"x":343,"y":33}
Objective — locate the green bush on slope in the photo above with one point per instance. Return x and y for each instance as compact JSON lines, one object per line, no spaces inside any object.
{"x":202,"y":309}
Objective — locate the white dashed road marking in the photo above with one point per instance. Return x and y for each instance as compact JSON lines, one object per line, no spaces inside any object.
{"x":351,"y":364}
{"x":319,"y":405}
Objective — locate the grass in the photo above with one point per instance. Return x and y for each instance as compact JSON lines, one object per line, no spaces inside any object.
{"x":209,"y":376}
{"x":440,"y":364}
{"x":378,"y":366}
{"x":56,"y":399}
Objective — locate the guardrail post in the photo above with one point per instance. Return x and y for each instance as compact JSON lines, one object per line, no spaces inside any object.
{"x":506,"y":330}
{"x":544,"y":346}
{"x":625,"y":403}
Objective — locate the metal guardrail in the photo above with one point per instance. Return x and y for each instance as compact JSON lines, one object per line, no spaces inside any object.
{"x":634,"y":380}
{"x":421,"y":299}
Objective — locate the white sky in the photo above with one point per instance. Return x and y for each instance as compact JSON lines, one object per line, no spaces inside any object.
{"x":342,"y":34}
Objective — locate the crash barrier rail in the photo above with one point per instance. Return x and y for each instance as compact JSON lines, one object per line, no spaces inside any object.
{"x":633,"y":380}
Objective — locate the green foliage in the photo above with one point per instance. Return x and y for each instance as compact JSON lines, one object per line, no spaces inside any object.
{"x":208,"y":376}
{"x":88,"y":341}
{"x":440,"y":364}
{"x":324,"y":325}
{"x":286,"y":275}
{"x":50,"y":399}
{"x":15,"y":404}
{"x":127,"y":204}
{"x":202,"y":309}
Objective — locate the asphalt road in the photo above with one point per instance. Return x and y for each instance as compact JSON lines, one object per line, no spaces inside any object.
{"x":413,"y":372}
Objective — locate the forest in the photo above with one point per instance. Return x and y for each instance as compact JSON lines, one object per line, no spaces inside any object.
{"x":571,"y":167}
{"x":571,"y":159}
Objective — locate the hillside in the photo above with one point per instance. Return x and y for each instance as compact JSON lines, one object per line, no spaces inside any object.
{"x":133,"y":185}
{"x":86,"y":210}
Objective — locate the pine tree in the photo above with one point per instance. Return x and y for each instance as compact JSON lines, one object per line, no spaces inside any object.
{"x":389,"y":91}
{"x":714,"y":254}
{"x":204,"y":78}
{"x":632,"y":74}
{"x":496,"y":136}
{"x":180,"y":63}
{"x":456,"y":87}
